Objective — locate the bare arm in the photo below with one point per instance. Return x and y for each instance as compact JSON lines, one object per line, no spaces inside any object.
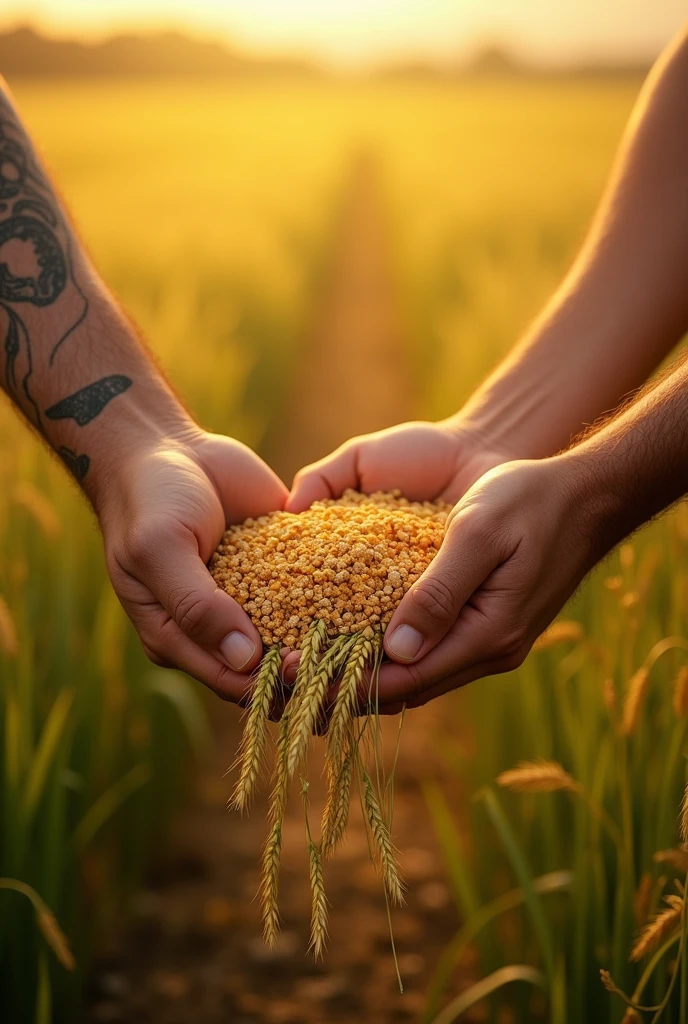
{"x":163,"y":489}
{"x":67,"y":351}
{"x":623,"y":306}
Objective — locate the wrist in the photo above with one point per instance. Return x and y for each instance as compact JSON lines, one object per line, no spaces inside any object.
{"x":477,"y":452}
{"x":596,"y":499}
{"x":145,"y":426}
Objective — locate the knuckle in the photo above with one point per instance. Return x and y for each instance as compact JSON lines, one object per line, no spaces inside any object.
{"x":192,"y":612}
{"x":435,"y":597}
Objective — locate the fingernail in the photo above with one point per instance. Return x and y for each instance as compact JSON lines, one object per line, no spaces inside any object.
{"x":237,"y":650}
{"x":405,"y":643}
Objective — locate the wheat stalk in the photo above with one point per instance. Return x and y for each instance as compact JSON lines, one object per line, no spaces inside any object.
{"x":635,"y":698}
{"x":253,"y":739}
{"x":540,"y":776}
{"x":659,"y":928}
{"x":55,"y":937}
{"x":683,"y":827}
{"x":675,"y":858}
{"x":270,"y":884}
{"x":383,"y":842}
{"x":313,"y":644}
{"x":272,"y":850}
{"x":336,"y":809}
{"x":305,"y":714}
{"x":345,"y":704}
{"x":319,"y":902}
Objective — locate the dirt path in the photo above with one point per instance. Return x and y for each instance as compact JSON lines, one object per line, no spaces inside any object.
{"x":354,"y":377}
{"x":194,"y":952}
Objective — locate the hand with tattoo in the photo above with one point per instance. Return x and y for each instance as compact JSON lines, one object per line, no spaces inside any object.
{"x":161,"y":523}
{"x":163,"y":489}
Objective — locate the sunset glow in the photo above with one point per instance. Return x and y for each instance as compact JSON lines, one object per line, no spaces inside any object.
{"x":358,"y":31}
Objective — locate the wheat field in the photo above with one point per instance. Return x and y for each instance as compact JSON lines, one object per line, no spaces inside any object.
{"x":210,"y":210}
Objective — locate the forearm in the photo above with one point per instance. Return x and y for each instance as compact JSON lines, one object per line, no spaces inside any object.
{"x":624,"y":304}
{"x":636,"y":466}
{"x":69,"y":359}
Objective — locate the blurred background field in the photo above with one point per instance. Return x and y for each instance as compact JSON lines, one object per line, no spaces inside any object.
{"x":213,"y":210}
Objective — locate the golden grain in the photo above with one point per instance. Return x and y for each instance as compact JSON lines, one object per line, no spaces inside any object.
{"x":661,"y":927}
{"x":635,"y":698}
{"x":325,"y":582}
{"x":676,"y":858}
{"x":336,"y":810}
{"x":345,"y":703}
{"x":347,"y":562}
{"x":683,"y":829}
{"x":270,"y":884}
{"x":382,"y":842}
{"x":253,"y":739}
{"x":319,"y":902}
{"x":305,"y":715}
{"x":540,"y":776}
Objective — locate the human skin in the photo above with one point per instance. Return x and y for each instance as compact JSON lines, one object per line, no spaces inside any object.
{"x":163,"y":489}
{"x":530,"y":523}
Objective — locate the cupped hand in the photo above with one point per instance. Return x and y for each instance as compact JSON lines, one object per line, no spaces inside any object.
{"x":161,"y":522}
{"x":425,"y":461}
{"x":517,"y":545}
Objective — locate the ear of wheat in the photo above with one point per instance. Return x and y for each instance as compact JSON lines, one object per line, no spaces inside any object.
{"x":253,"y":742}
{"x":660,"y":927}
{"x":540,"y":776}
{"x":636,"y":692}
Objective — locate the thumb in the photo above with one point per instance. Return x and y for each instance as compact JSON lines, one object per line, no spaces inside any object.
{"x":432,"y":605}
{"x":328,"y":478}
{"x":171,"y":567}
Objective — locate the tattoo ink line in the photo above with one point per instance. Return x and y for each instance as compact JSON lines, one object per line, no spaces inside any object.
{"x":87,"y":403}
{"x":78,"y":465}
{"x":30,"y":217}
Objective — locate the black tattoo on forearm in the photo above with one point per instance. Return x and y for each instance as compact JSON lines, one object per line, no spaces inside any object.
{"x":36,"y":268}
{"x":87,"y":403}
{"x":76,"y":464}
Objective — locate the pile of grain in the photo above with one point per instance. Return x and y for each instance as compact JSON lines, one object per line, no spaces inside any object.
{"x":347,"y":562}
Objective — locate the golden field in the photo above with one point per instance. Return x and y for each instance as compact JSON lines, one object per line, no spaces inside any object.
{"x":210,"y":210}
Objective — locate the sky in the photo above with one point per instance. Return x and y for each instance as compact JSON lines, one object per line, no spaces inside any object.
{"x":355,"y":32}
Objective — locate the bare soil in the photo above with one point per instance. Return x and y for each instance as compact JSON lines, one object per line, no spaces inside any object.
{"x":193,"y":950}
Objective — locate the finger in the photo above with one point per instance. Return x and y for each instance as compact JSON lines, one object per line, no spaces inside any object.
{"x":419,"y":696}
{"x":432,"y":605}
{"x":473,"y":644}
{"x":328,"y":478}
{"x":168,"y":562}
{"x":182,"y":653}
{"x":261,"y":489}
